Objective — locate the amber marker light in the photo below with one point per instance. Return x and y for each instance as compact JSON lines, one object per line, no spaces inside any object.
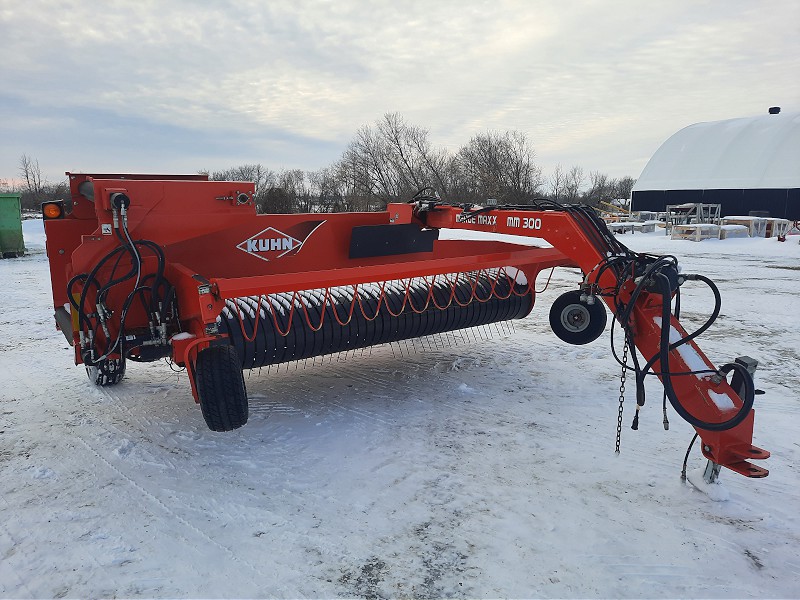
{"x":52,"y":210}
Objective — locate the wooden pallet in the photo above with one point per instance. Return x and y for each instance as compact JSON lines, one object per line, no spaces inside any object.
{"x":695,"y":232}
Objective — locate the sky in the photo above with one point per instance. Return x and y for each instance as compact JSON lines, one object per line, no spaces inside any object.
{"x":174,"y":86}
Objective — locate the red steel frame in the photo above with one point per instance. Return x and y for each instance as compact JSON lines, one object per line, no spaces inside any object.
{"x":204,"y":227}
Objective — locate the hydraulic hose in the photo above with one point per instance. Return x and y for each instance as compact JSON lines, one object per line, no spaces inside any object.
{"x":749,"y":387}
{"x":714,"y":313}
{"x":697,"y":332}
{"x":159,"y":286}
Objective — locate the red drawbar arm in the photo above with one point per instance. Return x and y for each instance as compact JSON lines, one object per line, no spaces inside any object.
{"x":709,"y":398}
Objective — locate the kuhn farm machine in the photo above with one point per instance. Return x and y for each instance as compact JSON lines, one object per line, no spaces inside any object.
{"x":178,"y":267}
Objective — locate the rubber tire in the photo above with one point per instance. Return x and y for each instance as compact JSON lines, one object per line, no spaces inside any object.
{"x":589,"y":319}
{"x":220,"y":388}
{"x":109,"y":372}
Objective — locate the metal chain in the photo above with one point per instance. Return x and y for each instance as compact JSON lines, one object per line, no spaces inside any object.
{"x":622,"y":392}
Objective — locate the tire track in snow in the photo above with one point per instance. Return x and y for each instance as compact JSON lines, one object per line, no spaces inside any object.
{"x":640,"y":575}
{"x":309,"y":542}
{"x":306,"y":393}
{"x":172,"y":514}
{"x":16,"y":546}
{"x":25,"y":379}
{"x":298,"y":538}
{"x":139,"y":426}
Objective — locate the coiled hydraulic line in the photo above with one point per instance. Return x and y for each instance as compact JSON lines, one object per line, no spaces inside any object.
{"x":653,"y":273}
{"x":661,"y":273}
{"x":156,"y":294}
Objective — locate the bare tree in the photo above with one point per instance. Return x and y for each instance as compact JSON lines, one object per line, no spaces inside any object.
{"x":435,"y":162}
{"x":401,"y":154}
{"x":367,"y":158}
{"x":413,"y":160}
{"x":625,"y":187}
{"x":599,"y":189}
{"x":498,"y":165}
{"x":298,"y":189}
{"x":326,"y":188}
{"x":573,"y":182}
{"x":557,"y":183}
{"x":390,"y":161}
{"x":605,"y":189}
{"x":351,"y":175}
{"x":31,"y":174}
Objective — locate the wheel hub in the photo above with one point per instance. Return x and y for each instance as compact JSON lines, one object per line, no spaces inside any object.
{"x":575,"y":318}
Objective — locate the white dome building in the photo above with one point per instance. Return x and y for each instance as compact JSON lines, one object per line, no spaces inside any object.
{"x":747,"y":164}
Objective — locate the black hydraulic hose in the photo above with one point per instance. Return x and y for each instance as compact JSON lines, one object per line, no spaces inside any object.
{"x":660,"y":262}
{"x":593,"y":231}
{"x":102,"y":291}
{"x":131,"y":247}
{"x":123,"y":314}
{"x":169,"y":299}
{"x":714,"y":314}
{"x":130,"y":244}
{"x":91,"y":279}
{"x":134,"y":271}
{"x":600,"y":225}
{"x":82,"y":318}
{"x":71,"y":284}
{"x":611,"y":240}
{"x":159,"y":275}
{"x":621,"y":271}
{"x":749,"y":391}
{"x":646,"y":371}
{"x":686,"y":457}
{"x":145,"y":306}
{"x":637,"y":369}
{"x":699,"y":330}
{"x":155,"y":296}
{"x":624,"y":316}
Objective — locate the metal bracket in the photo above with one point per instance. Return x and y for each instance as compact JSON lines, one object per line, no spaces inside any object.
{"x":751,"y":364}
{"x":711,"y":474}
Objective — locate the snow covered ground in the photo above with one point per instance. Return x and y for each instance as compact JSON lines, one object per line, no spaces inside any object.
{"x":476,"y":468}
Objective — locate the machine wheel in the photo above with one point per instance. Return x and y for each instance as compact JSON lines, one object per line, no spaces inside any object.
{"x":108,"y":372}
{"x":577,"y":322}
{"x":220,"y":388}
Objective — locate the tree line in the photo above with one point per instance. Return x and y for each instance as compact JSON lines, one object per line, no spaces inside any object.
{"x":389,"y":161}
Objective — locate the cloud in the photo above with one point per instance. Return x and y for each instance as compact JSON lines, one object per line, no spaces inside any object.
{"x":595,"y":84}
